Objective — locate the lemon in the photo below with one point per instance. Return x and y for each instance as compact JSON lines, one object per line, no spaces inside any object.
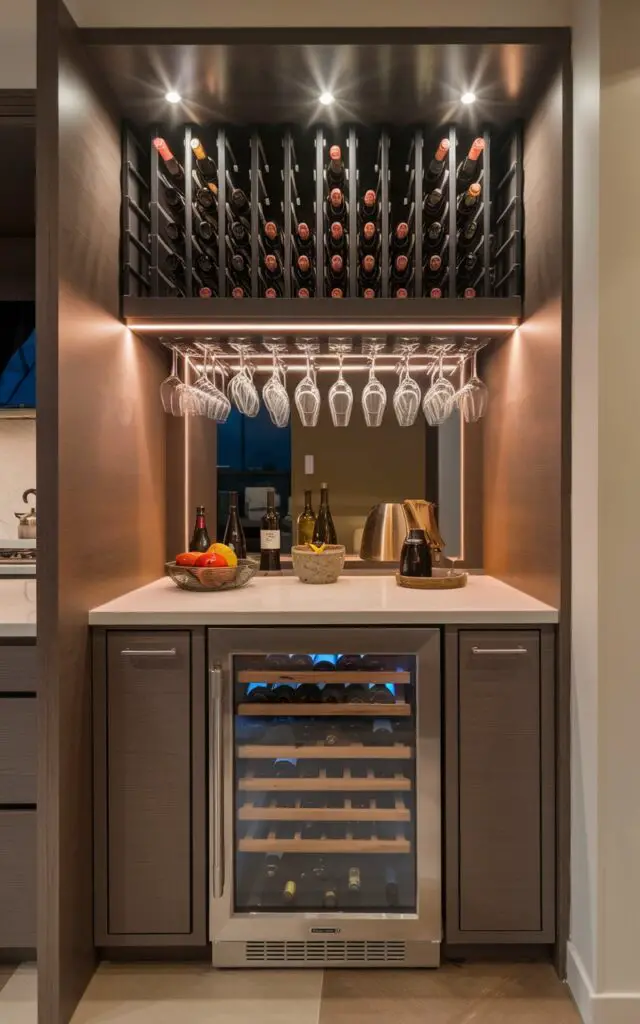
{"x":317,"y":548}
{"x":226,"y":552}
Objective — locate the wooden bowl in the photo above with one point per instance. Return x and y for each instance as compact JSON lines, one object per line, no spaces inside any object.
{"x":325,"y":567}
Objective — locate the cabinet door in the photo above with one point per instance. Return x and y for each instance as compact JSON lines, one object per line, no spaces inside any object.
{"x":17,"y":879}
{"x":18,"y":667}
{"x":500,"y":789}
{"x":149,"y":722}
{"x":18,"y":746}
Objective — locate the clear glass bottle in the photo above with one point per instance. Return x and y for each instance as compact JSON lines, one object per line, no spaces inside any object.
{"x":306,"y":521}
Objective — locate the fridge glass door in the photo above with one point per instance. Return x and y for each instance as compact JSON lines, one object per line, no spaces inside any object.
{"x":325,"y":808}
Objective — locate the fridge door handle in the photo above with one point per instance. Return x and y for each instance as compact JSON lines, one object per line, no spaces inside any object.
{"x":216,"y":817}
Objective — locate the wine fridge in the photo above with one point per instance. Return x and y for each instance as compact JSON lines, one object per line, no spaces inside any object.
{"x":325,"y":797}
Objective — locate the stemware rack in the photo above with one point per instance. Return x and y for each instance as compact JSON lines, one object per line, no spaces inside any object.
{"x":282,"y":173}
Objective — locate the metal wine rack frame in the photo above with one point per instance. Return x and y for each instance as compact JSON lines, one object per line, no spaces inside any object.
{"x":145,"y":213}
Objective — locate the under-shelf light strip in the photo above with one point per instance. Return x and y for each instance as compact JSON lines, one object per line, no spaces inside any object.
{"x":273,"y":328}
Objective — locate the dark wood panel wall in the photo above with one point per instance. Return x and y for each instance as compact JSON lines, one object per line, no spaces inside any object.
{"x":101,"y":475}
{"x":523,"y":429}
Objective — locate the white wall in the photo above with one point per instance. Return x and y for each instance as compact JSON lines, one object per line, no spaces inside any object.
{"x":17,"y":470}
{"x":17,"y":44}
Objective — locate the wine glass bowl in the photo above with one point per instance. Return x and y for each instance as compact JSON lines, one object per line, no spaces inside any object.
{"x":407,"y":396}
{"x":475,"y":399}
{"x":274,"y":393}
{"x":438,"y":402}
{"x":307,"y":396}
{"x":340,"y":393}
{"x":242,"y":390}
{"x":374,"y":394}
{"x":168,"y":396}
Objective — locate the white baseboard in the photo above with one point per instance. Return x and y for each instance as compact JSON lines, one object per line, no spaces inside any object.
{"x":599,"y":1007}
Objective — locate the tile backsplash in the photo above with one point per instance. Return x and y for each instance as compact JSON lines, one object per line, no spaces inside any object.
{"x":17,"y":470}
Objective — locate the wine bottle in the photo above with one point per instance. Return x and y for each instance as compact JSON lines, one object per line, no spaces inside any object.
{"x":306,"y":521}
{"x":469,"y":235}
{"x":381,"y":733}
{"x":469,"y":293}
{"x":336,"y":293}
{"x":435,"y":293}
{"x":333,"y":736}
{"x":239,"y":264}
{"x":468,"y":267}
{"x":437,"y":166}
{"x":283,"y":693}
{"x":270,"y":536}
{"x":469,"y":201}
{"x":206,"y":231}
{"x":369,"y":273}
{"x":337,"y":274}
{"x":349,"y":662}
{"x":240,"y":231}
{"x":238,"y":200}
{"x":369,"y":208}
{"x":200,"y":539}
{"x":272,"y":236}
{"x":272,"y":267}
{"x":357,"y":693}
{"x":336,"y":239}
{"x":303,"y":293}
{"x":400,"y":293}
{"x":369,"y":238}
{"x":308,"y":693}
{"x":303,"y":270}
{"x":401,"y":238}
{"x":434,"y":235}
{"x":337,"y":205}
{"x":468,"y":169}
{"x":304,"y":237}
{"x":174,"y":200}
{"x":432,"y":270}
{"x":285,"y":768}
{"x":259,"y":694}
{"x":391,"y":890}
{"x":205,"y":198}
{"x":289,"y":891}
{"x":434,"y":205}
{"x":233,"y":532}
{"x":272,"y":864}
{"x":273,"y":292}
{"x":205,"y":264}
{"x":324,"y":532}
{"x":401,"y":269}
{"x":204,"y":163}
{"x":354,"y":882}
{"x":380,"y":694}
{"x":174,"y":265}
{"x":238,"y":292}
{"x":330,"y":896}
{"x":175,"y":231}
{"x":172,"y":166}
{"x":332,"y":694}
{"x":334,"y":173}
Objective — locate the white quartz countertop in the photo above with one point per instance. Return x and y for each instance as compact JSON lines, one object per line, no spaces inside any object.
{"x":18,"y":568}
{"x":353,"y":600}
{"x":17,"y":607}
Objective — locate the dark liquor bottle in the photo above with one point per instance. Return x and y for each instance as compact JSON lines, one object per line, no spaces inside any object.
{"x":436,"y":168}
{"x":469,"y":235}
{"x":434,"y":235}
{"x":324,"y":531}
{"x":336,"y":239}
{"x":354,"y":881}
{"x":204,"y":163}
{"x":391,"y":890}
{"x":434,"y":205}
{"x":468,"y":268}
{"x":270,"y":536}
{"x":206,"y":198}
{"x":175,"y":266}
{"x":206,"y":231}
{"x":238,"y":200}
{"x":306,"y":521}
{"x":175,"y":201}
{"x":172,"y":166}
{"x":469,"y":202}
{"x":369,"y":208}
{"x":336,"y":205}
{"x":239,"y":264}
{"x":240,"y":231}
{"x":205,"y":264}
{"x":369,"y":238}
{"x":304,"y":237}
{"x":233,"y":532}
{"x":200,"y":539}
{"x":335,"y":168}
{"x":468,"y":169}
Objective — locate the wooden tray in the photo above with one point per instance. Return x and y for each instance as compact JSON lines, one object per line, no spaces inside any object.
{"x":459,"y":579}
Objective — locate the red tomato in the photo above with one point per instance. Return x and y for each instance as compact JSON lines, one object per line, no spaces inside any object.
{"x":211,"y":561}
{"x":187,"y":558}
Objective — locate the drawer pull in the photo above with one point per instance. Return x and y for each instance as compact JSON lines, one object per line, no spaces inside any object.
{"x":500,"y":650}
{"x":170,"y":652}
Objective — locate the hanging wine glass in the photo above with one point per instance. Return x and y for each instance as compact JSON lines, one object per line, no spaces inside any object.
{"x":187,"y":398}
{"x":170,"y":402}
{"x":438,"y":402}
{"x":476,"y":398}
{"x":274,"y":393}
{"x":243,"y":392}
{"x":374,"y":395}
{"x":307,"y":395}
{"x":220,"y":406}
{"x":340,"y":393}
{"x":407,"y":396}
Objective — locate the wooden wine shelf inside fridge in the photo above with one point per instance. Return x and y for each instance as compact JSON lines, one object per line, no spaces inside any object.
{"x":362,"y":676}
{"x":370,"y":783}
{"x":397,"y":709}
{"x":352,"y":752}
{"x":258,"y":812}
{"x":299,"y":845}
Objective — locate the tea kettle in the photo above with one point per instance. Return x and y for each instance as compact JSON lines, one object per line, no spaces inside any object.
{"x":387,"y":526}
{"x":27,"y":520}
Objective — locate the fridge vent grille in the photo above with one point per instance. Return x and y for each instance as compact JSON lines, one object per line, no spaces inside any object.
{"x":330,"y":951}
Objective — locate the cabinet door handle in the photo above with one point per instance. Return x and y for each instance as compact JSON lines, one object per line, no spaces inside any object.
{"x":216,"y":766}
{"x":500,"y":650}
{"x":128,"y":652}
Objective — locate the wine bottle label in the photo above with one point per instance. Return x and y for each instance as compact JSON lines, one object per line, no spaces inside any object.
{"x":269,"y":540}
{"x":290,"y":890}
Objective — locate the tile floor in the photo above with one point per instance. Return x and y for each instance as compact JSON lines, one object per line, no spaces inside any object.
{"x":190,"y":994}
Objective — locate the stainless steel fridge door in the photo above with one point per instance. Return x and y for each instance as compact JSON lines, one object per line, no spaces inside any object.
{"x":240,"y":937}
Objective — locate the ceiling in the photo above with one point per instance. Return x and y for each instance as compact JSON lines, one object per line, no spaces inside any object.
{"x":262,"y":82}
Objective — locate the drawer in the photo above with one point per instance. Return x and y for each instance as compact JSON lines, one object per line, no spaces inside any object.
{"x":18,"y":668}
{"x":17,"y":879}
{"x":18,"y":746}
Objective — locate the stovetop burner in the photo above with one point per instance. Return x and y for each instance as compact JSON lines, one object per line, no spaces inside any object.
{"x":17,"y":555}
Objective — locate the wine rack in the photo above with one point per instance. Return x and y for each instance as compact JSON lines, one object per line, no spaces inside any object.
{"x":278,"y":177}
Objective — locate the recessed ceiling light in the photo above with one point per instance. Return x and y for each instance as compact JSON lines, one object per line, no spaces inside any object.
{"x":173,"y":97}
{"x":468,"y":97}
{"x":326,"y":98}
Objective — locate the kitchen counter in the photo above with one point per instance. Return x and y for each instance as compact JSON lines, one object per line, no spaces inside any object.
{"x":353,"y":600}
{"x":17,"y":608}
{"x":17,"y":568}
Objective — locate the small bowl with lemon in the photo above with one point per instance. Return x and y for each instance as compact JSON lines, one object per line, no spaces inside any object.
{"x":318,"y":563}
{"x":219,"y":568}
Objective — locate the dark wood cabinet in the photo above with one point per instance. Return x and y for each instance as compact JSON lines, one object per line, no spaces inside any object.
{"x":150,"y":788}
{"x":500,"y":793}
